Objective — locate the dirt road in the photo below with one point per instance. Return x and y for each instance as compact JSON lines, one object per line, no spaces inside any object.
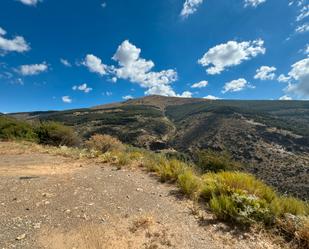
{"x":54,"y":202}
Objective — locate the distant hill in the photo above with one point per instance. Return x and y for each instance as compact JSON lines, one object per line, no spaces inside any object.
{"x":271,"y":137}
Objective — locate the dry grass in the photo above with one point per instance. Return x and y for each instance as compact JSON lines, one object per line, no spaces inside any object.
{"x":233,"y":195}
{"x":142,"y":223}
{"x":104,"y":143}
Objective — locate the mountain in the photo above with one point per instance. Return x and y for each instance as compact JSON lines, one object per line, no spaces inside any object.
{"x":270,"y":137}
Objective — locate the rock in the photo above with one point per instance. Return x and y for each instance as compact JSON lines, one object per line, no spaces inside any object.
{"x":37,"y":225}
{"x":21,"y":237}
{"x":139,"y":190}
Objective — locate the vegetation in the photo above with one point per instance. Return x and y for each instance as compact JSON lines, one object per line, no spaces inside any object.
{"x":233,"y":196}
{"x":213,"y":161}
{"x":11,"y":129}
{"x":49,"y":133}
{"x":56,"y":134}
{"x":104,"y":143}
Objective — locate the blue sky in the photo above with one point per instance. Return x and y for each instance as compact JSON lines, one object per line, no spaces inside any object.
{"x":73,"y":53}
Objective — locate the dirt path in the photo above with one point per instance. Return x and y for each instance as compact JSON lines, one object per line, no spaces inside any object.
{"x":54,"y":202}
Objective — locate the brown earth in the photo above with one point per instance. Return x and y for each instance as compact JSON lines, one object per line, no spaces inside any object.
{"x":55,"y":202}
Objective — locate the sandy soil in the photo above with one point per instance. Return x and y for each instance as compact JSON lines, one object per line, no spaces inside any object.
{"x":54,"y":202}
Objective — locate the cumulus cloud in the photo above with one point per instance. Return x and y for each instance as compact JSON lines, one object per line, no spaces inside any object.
{"x":211,"y":97}
{"x":186,"y":94}
{"x":114,"y":79}
{"x":265,"y":73}
{"x":138,"y":70}
{"x":67,"y":99}
{"x":33,"y":69}
{"x":283,"y":78}
{"x":230,"y":54}
{"x":83,"y":87}
{"x":65,"y":62}
{"x":253,"y":3}
{"x":132,"y":67}
{"x":236,"y":85}
{"x":200,"y":84}
{"x":302,"y":28}
{"x":94,"y":64}
{"x":128,"y":97}
{"x":17,"y":44}
{"x":189,"y":7}
{"x":285,"y":97}
{"x":30,"y":2}
{"x":300,"y":74}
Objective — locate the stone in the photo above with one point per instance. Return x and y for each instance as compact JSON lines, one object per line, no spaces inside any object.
{"x":21,"y":237}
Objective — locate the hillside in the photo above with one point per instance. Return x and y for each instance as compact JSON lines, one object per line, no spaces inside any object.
{"x":56,"y":202}
{"x":271,"y":137}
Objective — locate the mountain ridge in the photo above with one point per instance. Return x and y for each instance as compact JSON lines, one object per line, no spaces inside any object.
{"x":270,"y":137}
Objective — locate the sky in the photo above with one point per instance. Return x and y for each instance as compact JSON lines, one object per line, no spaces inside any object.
{"x":67,"y":54}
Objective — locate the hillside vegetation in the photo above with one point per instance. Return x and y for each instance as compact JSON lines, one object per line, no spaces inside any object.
{"x":271,"y":138}
{"x":215,"y":182}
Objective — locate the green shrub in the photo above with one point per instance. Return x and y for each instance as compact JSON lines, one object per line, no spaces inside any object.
{"x":241,"y":208}
{"x":212,"y":161}
{"x":289,"y":205}
{"x":12,"y":129}
{"x":169,"y":170}
{"x":152,"y":161}
{"x":238,"y":197}
{"x":123,"y":159}
{"x":56,"y":134}
{"x":189,"y":183}
{"x":230,"y":182}
{"x":104,"y":143}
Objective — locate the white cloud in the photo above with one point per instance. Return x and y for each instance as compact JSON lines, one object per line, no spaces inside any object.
{"x":138,"y":70}
{"x":128,"y":97}
{"x":104,"y":5}
{"x":265,"y":73}
{"x":65,"y":62}
{"x":66,"y":99}
{"x":30,"y":2}
{"x":163,"y":90}
{"x":230,"y":54}
{"x":200,"y":84}
{"x":17,"y":44}
{"x":236,"y":85}
{"x":253,"y":3}
{"x":300,"y":74}
{"x":94,"y":64}
{"x":303,"y":28}
{"x":185,"y":94}
{"x":114,"y":79}
{"x":108,"y":93}
{"x":285,"y":97}
{"x":2,"y":31}
{"x":283,"y":78}
{"x":33,"y":69}
{"x":300,"y":69}
{"x":211,"y":97}
{"x":189,"y":7}
{"x":304,"y":12}
{"x":83,"y":87}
